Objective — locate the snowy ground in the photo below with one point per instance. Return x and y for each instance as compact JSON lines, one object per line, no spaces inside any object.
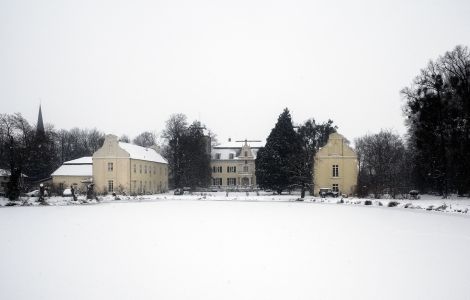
{"x":255,"y":247}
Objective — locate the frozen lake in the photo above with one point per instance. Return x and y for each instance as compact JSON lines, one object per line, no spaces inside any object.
{"x":189,"y":249}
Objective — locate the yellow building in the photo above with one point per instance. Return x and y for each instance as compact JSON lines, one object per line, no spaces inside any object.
{"x":126,"y":168}
{"x":233,"y":164}
{"x":336,"y":166}
{"x":77,"y":172}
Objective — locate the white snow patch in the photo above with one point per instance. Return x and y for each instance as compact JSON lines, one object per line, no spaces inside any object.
{"x":74,"y":170}
{"x":188,"y":249}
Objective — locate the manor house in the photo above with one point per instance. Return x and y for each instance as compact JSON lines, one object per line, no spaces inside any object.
{"x":233,"y":163}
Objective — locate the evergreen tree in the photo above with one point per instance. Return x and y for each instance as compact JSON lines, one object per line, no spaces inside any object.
{"x":278,"y":165}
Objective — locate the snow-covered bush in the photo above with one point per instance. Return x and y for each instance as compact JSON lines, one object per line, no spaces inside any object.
{"x":368,"y":202}
{"x":392,"y":204}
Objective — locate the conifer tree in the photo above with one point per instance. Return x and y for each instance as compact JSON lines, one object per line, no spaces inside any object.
{"x":277,"y":162}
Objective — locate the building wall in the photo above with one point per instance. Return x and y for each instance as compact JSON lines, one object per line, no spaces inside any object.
{"x":244,"y":164}
{"x":239,"y":174}
{"x":336,"y":152}
{"x":122,"y":174}
{"x":63,"y":182}
{"x":148,"y":177}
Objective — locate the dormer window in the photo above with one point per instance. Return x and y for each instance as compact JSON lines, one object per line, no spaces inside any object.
{"x":230,"y":156}
{"x":246,"y":153}
{"x":217,"y":156}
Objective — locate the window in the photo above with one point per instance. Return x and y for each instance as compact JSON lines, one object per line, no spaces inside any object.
{"x":246,"y":153}
{"x":335,"y":171}
{"x":246,"y":162}
{"x":140,"y":169}
{"x":110,"y":167}
{"x":140,"y":186}
{"x":218,"y":169}
{"x":61,"y":185}
{"x":231,"y":181}
{"x":230,"y":156}
{"x":110,"y":186}
{"x":135,"y":168}
{"x":231,"y":169}
{"x":145,"y":167}
{"x":335,"y":187}
{"x":134,"y":185}
{"x":216,"y":181}
{"x":217,"y":156}
{"x":245,"y":168}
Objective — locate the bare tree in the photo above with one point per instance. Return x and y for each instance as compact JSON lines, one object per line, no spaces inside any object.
{"x":145,"y":139}
{"x":382,"y":164}
{"x":125,"y":138}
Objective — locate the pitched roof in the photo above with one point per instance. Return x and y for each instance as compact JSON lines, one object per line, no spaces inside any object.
{"x":74,"y":170}
{"x":239,"y":145}
{"x":80,"y":161}
{"x":142,"y":153}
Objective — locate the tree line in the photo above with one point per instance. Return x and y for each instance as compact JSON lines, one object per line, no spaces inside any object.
{"x":434,"y":155}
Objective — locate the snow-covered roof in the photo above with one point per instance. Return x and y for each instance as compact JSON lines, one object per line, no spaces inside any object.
{"x":80,"y":161}
{"x":142,"y":153}
{"x":82,"y":166}
{"x":225,"y":153}
{"x":238,"y":145}
{"x":74,"y":170}
{"x":233,"y":147}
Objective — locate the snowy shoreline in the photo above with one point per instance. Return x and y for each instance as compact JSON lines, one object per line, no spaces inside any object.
{"x":428,"y":203}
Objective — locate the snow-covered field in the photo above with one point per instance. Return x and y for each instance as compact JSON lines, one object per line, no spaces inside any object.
{"x":247,"y":247}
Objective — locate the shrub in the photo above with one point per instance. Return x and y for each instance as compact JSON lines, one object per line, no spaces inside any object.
{"x":380,"y":203}
{"x":392,"y":204}
{"x":368,"y":202}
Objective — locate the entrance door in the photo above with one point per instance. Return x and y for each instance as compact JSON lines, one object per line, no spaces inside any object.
{"x":245,"y":181}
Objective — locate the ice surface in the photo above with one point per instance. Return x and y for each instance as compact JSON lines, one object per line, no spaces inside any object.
{"x":255,"y":248}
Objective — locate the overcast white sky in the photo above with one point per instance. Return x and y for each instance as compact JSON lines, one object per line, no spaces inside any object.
{"x":126,"y":66}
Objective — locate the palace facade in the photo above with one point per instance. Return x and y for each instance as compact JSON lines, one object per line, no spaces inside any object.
{"x":233,"y":164}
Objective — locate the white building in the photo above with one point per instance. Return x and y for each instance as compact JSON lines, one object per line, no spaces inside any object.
{"x":233,"y":163}
{"x":77,"y":172}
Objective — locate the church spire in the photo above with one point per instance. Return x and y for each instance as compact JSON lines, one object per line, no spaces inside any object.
{"x":40,"y":124}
